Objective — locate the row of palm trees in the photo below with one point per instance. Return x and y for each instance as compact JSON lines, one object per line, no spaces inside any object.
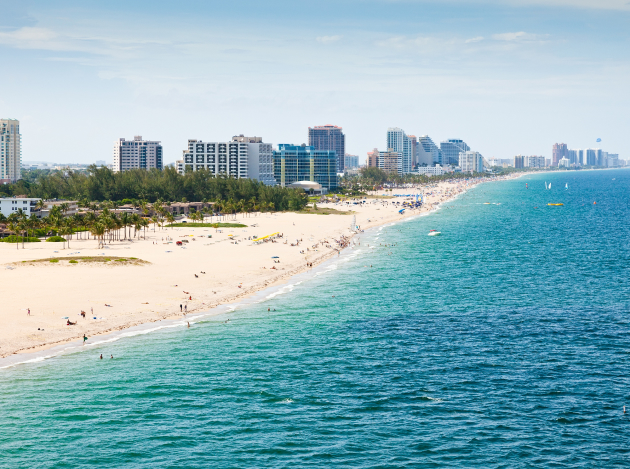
{"x":108,"y":225}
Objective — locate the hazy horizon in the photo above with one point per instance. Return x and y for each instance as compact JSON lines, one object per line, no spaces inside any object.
{"x":507,"y":76}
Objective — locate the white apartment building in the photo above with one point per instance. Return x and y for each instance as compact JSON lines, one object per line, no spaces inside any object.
{"x":398,"y":141}
{"x":136,"y":154}
{"x":534,"y":162}
{"x":436,"y":170}
{"x":9,"y":205}
{"x":259,"y":159}
{"x":471,"y":161}
{"x":243,"y":157}
{"x":429,"y":152}
{"x":10,"y":151}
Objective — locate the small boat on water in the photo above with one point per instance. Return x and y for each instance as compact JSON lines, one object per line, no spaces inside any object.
{"x":557,"y":205}
{"x":434,"y":233}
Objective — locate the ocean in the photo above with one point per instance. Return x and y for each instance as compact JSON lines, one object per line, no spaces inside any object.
{"x":501,"y":343}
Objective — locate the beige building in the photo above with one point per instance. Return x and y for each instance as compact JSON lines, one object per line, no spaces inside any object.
{"x":73,"y":206}
{"x":10,"y":151}
{"x":391,"y":161}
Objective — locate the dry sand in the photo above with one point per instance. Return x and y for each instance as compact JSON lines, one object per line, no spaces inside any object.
{"x":145,"y":293}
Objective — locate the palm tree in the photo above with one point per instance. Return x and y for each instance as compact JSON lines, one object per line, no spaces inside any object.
{"x":170,"y":218}
{"x":64,"y":207}
{"x":98,"y":230}
{"x":126,"y":221}
{"x":13,"y":226}
{"x":41,"y":203}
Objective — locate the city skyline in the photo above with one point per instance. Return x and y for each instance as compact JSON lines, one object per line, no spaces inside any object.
{"x":517,"y":66}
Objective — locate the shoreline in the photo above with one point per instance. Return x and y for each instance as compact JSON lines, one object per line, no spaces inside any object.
{"x":264,"y":288}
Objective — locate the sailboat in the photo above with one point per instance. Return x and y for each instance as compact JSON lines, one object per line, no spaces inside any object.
{"x":545,"y":184}
{"x":549,"y":186}
{"x":566,"y":186}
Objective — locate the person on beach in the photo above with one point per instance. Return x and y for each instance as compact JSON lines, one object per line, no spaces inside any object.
{"x":181,"y":308}
{"x":28,"y":313}
{"x":185,"y":308}
{"x":84,"y":339}
{"x":101,"y":357}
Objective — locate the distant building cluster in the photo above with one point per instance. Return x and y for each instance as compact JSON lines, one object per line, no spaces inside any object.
{"x":563,"y":156}
{"x":320,"y":163}
{"x":408,"y":154}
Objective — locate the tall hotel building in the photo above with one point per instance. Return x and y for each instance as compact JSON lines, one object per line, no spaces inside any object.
{"x":398,"y":141}
{"x":471,"y":162}
{"x":329,"y":138}
{"x":559,"y":151}
{"x":243,"y":157}
{"x":136,"y":154}
{"x":293,"y":163}
{"x":10,"y":151}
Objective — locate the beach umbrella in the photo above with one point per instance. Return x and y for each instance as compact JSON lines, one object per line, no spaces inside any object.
{"x":275,"y":257}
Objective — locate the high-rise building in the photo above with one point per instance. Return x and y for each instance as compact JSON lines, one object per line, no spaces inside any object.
{"x":519,"y":161}
{"x":137,"y":154}
{"x":602,"y":157}
{"x":330,"y":138}
{"x":10,"y":151}
{"x":534,"y":162}
{"x":293,"y":163}
{"x":259,"y":159}
{"x":427,"y":146}
{"x":590,"y":157}
{"x":413,"y":141}
{"x":451,"y":149}
{"x":372,"y":159}
{"x":351,"y":161}
{"x":572,"y":155}
{"x":398,"y":141}
{"x":220,"y":158}
{"x":559,"y":151}
{"x":471,"y":161}
{"x":391,"y":161}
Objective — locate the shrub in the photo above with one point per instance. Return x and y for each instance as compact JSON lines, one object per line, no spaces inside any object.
{"x":18,"y":239}
{"x":54,"y":260}
{"x":106,"y":260}
{"x":56,"y":239}
{"x":73,"y":261}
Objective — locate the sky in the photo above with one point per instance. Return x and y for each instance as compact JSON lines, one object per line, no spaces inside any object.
{"x":507,"y":76}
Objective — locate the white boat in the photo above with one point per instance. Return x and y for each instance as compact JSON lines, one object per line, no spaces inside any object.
{"x":434,"y":233}
{"x":566,"y":186}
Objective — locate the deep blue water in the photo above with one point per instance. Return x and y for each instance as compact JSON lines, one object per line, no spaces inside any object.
{"x":502,"y":343}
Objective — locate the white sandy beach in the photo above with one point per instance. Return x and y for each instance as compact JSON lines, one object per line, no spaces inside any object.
{"x":145,"y":293}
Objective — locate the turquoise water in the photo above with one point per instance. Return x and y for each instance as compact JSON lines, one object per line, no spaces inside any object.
{"x":502,"y":343}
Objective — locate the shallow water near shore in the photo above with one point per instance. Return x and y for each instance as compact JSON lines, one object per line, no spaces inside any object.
{"x":501,"y":343}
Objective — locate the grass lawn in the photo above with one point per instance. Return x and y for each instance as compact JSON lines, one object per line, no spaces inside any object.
{"x":326,"y":211}
{"x":206,"y":225}
{"x":87,"y":260}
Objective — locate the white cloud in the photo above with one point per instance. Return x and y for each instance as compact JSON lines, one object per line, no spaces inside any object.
{"x":519,"y":36}
{"x":328,"y":39}
{"x":474,"y":39}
